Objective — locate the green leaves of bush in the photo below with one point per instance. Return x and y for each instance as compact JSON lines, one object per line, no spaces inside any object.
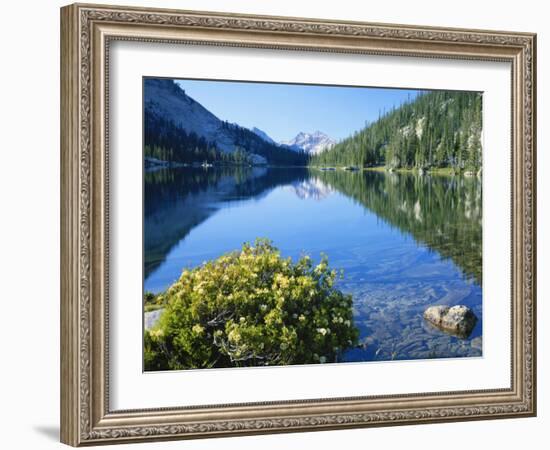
{"x":251,"y":308}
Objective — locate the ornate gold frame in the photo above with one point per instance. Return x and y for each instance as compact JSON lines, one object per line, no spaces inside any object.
{"x":86,"y":31}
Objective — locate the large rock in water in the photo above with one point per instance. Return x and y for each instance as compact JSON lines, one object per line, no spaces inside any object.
{"x":458,"y":320}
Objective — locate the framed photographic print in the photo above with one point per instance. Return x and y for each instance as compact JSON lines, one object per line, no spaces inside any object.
{"x":278,"y":224}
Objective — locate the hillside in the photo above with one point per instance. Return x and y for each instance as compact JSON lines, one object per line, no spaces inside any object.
{"x":436,"y":129}
{"x":179,"y":129}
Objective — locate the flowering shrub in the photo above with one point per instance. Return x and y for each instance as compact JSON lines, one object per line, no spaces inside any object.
{"x":251,"y":308}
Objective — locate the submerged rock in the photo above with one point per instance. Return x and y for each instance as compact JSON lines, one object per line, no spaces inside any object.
{"x":458,"y":320}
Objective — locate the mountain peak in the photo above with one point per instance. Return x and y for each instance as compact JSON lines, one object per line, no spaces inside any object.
{"x":312,"y":143}
{"x":166,"y":104}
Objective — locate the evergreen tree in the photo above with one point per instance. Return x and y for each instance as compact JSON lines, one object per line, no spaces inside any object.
{"x":436,"y":129}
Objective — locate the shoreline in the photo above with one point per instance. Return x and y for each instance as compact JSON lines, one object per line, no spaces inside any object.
{"x":446,"y":171}
{"x":435,"y":171}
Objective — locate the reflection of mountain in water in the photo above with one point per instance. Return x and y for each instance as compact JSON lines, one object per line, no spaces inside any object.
{"x":444,"y":213}
{"x":178,"y":200}
{"x":312,"y":188}
{"x":441,"y":212}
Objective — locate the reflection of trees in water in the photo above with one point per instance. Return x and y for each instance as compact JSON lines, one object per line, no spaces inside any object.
{"x":164,"y":187}
{"x":444,"y":213}
{"x":177,"y":200}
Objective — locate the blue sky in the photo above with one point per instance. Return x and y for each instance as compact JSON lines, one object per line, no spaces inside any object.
{"x":283,"y":110}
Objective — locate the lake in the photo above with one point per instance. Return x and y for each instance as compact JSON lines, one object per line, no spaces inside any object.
{"x":403,"y":241}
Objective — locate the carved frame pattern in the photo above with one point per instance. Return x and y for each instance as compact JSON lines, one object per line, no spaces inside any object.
{"x":87,"y":31}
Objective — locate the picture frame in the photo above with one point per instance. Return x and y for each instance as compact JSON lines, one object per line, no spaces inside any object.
{"x":87,"y":33}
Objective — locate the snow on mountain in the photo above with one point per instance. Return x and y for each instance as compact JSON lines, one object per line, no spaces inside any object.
{"x":312,"y":143}
{"x":165,"y":100}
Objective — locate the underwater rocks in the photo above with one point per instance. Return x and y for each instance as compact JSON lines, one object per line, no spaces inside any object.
{"x":477,"y":343}
{"x":458,"y":320}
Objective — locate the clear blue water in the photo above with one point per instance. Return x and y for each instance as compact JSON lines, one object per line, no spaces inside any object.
{"x":404,"y":242}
